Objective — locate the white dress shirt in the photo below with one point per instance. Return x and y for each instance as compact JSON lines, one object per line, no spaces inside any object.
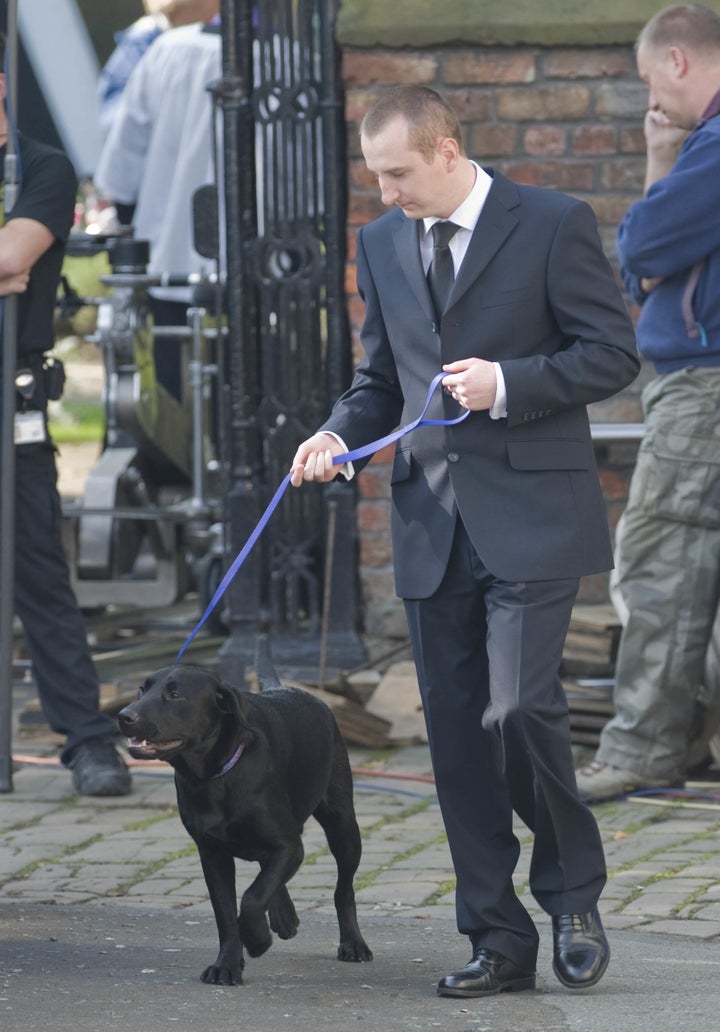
{"x":465,"y":216}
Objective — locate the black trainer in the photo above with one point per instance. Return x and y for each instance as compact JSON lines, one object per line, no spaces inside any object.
{"x":98,"y":769}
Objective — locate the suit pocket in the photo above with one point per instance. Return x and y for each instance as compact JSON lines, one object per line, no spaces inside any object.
{"x":548,"y":455}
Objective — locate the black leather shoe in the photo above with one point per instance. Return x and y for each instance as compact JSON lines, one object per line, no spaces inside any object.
{"x":98,"y":769}
{"x":486,"y":974}
{"x":580,"y":949}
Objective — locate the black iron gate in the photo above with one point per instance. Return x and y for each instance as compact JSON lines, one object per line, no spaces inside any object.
{"x":289,"y":349}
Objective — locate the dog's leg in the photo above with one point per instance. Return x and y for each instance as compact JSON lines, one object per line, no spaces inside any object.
{"x":283,"y":916}
{"x":219,"y":870}
{"x":275,"y":870}
{"x":343,"y":836}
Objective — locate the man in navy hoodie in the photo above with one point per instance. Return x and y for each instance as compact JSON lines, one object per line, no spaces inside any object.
{"x":667,"y":578}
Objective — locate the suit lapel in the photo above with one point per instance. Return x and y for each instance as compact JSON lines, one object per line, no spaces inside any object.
{"x":496,"y":223}
{"x":407,"y":246}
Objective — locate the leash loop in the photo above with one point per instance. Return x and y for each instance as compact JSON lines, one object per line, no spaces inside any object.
{"x":338,"y":460}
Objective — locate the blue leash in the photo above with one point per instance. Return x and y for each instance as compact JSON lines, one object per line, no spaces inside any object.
{"x":338,"y":460}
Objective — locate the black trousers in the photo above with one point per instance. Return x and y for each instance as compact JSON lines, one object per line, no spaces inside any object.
{"x":487,"y":654}
{"x":46,"y":605}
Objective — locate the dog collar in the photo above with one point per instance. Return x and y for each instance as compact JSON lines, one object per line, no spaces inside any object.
{"x":230,"y":763}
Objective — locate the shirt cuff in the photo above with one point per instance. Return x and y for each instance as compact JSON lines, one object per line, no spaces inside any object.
{"x":347,"y":469}
{"x":499,"y":409}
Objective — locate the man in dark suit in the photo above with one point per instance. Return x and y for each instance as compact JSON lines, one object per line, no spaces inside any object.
{"x":494,"y":519}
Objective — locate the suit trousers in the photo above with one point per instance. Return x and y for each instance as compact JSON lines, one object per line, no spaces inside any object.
{"x":47,"y":608}
{"x":487,"y":654}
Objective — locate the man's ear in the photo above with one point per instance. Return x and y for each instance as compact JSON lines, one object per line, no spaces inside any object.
{"x":679,"y":61}
{"x":3,"y":91}
{"x":449,"y":151}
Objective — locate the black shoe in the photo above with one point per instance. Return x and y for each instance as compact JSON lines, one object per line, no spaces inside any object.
{"x":98,"y":769}
{"x":486,"y":974}
{"x":580,"y":949}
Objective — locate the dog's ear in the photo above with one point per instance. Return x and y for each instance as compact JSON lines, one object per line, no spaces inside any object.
{"x":229,"y":702}
{"x":225,"y":700}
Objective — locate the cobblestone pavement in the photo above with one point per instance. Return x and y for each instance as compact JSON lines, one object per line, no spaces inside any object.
{"x":57,"y":847}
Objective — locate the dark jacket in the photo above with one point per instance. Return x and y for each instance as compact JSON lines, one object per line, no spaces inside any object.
{"x":536,"y":294}
{"x":665,"y":234}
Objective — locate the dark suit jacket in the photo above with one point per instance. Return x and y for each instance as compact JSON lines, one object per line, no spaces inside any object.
{"x":535,"y":293}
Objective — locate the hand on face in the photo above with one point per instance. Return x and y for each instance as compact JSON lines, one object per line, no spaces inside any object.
{"x":662,"y":135}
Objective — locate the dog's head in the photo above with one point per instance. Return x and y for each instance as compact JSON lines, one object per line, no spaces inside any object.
{"x":181,"y":710}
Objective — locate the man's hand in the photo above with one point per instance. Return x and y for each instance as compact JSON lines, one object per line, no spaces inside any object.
{"x":314,"y":460}
{"x":14,"y":284}
{"x":472,"y":382}
{"x":664,"y":141}
{"x":648,"y":283}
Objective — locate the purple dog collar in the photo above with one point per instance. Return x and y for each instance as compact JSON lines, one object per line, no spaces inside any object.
{"x":230,"y":763}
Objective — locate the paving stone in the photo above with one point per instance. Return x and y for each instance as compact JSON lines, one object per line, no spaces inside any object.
{"x":697,"y":929}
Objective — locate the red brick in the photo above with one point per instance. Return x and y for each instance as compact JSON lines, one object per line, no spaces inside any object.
{"x":360,"y":177}
{"x":632,"y":141}
{"x":376,"y":551}
{"x":593,"y":588}
{"x":366,"y":67}
{"x":374,"y":482}
{"x":595,"y":139}
{"x":351,"y":243}
{"x":364,"y":207}
{"x":571,"y":175}
{"x":624,"y":174}
{"x":614,"y":484}
{"x":588,"y":64}
{"x":373,"y":516}
{"x":357,"y":102}
{"x":470,"y":105}
{"x":477,"y":66}
{"x":549,"y":103}
{"x":610,"y":208}
{"x":545,"y":140}
{"x":491,"y":140}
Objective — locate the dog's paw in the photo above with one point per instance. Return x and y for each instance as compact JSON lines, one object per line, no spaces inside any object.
{"x":256,"y":937}
{"x":283,"y":916}
{"x":219,"y":974}
{"x":354,"y":950}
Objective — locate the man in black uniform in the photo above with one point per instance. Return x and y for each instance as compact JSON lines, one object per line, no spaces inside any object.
{"x":32,"y":240}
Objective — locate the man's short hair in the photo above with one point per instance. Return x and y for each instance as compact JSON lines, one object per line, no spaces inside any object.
{"x":428,"y":115}
{"x":690,"y":25}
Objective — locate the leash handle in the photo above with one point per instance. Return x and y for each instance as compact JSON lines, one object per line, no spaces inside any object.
{"x":338,"y":460}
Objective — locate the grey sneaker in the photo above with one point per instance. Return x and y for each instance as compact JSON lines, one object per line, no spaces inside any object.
{"x":98,"y":769}
{"x":597,"y":782}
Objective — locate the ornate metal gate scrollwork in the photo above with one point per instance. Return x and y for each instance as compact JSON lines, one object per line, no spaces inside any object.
{"x":289,"y":349}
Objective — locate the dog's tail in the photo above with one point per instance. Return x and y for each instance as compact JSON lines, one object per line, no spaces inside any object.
{"x":264,"y":669}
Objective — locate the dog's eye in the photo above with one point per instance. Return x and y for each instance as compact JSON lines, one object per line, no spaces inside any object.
{"x":141,"y":690}
{"x":172,"y":693}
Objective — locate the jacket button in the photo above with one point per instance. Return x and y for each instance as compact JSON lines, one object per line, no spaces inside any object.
{"x":453,"y":456}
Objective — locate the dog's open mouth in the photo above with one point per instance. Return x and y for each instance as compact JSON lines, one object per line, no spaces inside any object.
{"x":141,"y":749}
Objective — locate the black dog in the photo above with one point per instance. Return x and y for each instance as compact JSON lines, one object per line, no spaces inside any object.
{"x":249,"y":770}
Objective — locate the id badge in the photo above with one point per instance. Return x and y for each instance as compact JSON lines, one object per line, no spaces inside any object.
{"x":29,"y":428}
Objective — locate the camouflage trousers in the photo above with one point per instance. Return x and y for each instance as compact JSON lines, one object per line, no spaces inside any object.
{"x":666,"y":584}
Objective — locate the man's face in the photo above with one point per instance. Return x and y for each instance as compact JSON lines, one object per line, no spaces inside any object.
{"x":661,"y":70}
{"x":421,"y":188}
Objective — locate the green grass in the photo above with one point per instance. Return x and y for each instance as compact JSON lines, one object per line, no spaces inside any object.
{"x":86,"y":423}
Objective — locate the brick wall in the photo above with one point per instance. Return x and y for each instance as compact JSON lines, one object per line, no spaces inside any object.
{"x":568,"y":118}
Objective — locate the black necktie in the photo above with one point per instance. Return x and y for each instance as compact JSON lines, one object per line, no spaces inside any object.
{"x":441,"y":274}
